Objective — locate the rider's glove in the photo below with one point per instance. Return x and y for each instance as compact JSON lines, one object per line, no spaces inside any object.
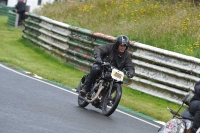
{"x":129,"y":75}
{"x":98,"y":60}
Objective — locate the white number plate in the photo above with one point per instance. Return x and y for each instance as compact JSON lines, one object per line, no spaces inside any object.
{"x":117,"y":75}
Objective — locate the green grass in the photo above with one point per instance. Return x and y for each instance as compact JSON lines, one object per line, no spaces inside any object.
{"x":20,"y":53}
{"x":167,"y":24}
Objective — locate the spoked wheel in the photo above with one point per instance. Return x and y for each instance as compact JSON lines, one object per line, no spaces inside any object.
{"x":81,"y":102}
{"x":111,"y":101}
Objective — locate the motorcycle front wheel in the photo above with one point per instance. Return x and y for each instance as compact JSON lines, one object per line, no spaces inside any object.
{"x":110,"y":102}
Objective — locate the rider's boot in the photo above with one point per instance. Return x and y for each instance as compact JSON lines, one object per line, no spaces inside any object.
{"x":85,"y":90}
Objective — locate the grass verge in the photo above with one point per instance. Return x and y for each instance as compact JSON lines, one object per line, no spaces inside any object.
{"x":168,"y":24}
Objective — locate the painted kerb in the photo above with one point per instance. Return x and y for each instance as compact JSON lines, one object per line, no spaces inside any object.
{"x":159,"y":72}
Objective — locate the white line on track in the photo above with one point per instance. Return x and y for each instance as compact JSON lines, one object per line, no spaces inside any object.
{"x":74,"y":94}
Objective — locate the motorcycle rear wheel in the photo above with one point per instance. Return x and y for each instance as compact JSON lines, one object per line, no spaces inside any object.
{"x":110,"y":102}
{"x":81,"y":102}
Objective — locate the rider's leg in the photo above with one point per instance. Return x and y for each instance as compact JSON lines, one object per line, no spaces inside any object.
{"x":195,"y":111}
{"x":94,"y":73}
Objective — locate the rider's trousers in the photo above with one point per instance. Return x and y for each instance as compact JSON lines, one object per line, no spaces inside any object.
{"x":93,"y":75}
{"x":194,"y":109}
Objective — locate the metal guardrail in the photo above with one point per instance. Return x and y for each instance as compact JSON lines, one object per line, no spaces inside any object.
{"x":13,"y":18}
{"x":159,"y":72}
{"x":5,"y":9}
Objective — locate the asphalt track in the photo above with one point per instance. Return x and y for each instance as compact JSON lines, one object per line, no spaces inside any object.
{"x":32,"y":105}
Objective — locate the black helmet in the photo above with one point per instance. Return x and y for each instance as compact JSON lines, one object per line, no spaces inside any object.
{"x":122,"y":40}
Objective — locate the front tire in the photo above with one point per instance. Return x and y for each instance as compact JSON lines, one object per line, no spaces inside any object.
{"x":111,"y":102}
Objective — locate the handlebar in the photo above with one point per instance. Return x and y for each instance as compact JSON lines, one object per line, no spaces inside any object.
{"x":105,"y":63}
{"x":108,"y":63}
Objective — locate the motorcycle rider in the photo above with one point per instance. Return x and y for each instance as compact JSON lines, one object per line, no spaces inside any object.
{"x":116,"y":54}
{"x":194,"y":107}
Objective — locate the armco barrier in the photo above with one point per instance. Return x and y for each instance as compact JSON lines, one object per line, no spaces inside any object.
{"x":159,"y":72}
{"x":13,"y":18}
{"x":4,"y":9}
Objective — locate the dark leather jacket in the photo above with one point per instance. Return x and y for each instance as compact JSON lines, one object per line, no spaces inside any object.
{"x":109,"y":53}
{"x":21,"y":7}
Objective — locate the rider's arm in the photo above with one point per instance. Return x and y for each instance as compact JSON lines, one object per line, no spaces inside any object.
{"x":129,"y":66}
{"x":100,"y":51}
{"x":197,"y":88}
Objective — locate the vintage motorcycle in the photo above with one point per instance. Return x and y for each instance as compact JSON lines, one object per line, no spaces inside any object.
{"x":180,"y":123}
{"x":106,"y":92}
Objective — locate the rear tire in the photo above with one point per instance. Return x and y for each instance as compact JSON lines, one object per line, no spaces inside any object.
{"x":111,"y":102}
{"x":82,"y":103}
